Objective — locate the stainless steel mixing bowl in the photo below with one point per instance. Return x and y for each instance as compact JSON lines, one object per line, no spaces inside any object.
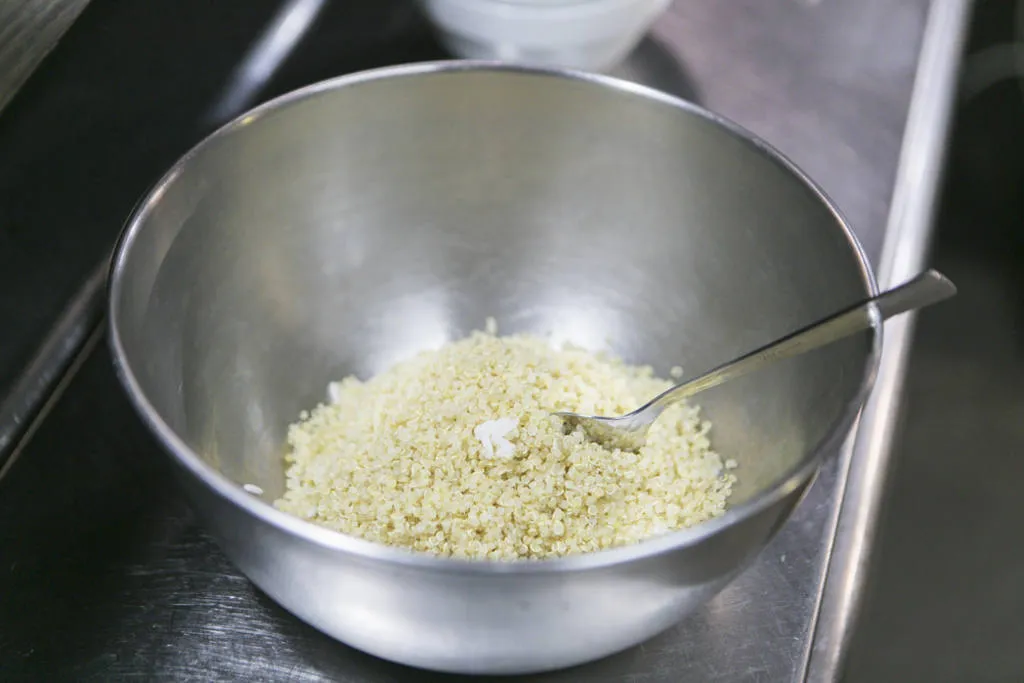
{"x":354,"y":222}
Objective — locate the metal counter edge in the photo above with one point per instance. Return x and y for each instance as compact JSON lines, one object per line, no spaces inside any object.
{"x":908,"y":236}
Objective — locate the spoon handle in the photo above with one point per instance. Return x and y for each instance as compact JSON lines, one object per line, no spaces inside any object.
{"x":928,"y":288}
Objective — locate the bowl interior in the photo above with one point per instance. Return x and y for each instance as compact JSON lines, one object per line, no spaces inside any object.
{"x":346,"y":228}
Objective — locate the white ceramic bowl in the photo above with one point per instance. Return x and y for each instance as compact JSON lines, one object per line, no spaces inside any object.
{"x":593,"y":35}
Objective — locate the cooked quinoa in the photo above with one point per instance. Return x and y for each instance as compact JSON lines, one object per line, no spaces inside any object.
{"x":455,"y":452}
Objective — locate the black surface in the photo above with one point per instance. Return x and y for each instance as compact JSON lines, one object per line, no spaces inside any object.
{"x":126,"y":92}
{"x":96,"y":562}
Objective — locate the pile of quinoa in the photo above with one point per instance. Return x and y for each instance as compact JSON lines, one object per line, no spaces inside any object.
{"x":455,"y":452}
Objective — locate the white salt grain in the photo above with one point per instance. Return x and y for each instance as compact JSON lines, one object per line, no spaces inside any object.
{"x":492,"y":433}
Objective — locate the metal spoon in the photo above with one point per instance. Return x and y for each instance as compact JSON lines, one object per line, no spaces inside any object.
{"x":629,"y":432}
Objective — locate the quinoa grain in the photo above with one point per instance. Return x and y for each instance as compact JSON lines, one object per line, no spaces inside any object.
{"x":399,"y":459}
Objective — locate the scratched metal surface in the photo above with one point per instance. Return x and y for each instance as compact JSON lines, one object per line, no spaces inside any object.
{"x":29,"y":29}
{"x":104,"y":574}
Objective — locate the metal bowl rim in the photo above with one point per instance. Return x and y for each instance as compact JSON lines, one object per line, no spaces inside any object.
{"x":787,"y":483}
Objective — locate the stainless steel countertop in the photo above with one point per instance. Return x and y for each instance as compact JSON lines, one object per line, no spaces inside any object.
{"x":832,"y":84}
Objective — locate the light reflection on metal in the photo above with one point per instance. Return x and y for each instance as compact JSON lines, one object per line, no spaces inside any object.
{"x":282,"y":35}
{"x":29,"y":29}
